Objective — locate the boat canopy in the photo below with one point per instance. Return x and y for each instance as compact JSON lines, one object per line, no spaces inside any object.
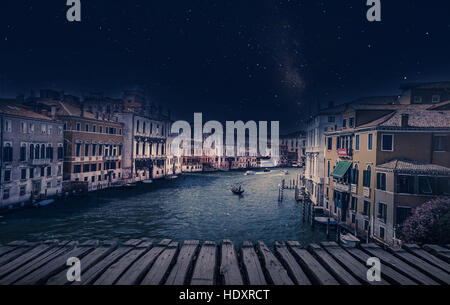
{"x":340,"y":169}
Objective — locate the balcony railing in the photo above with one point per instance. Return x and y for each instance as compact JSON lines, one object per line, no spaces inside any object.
{"x":342,"y":187}
{"x":40,"y":161}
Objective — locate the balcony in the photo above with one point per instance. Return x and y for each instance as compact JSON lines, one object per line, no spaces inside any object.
{"x":342,"y":187}
{"x":37,"y":162}
{"x":111,"y":158}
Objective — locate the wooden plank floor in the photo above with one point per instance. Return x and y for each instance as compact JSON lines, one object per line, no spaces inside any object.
{"x":145,"y":262}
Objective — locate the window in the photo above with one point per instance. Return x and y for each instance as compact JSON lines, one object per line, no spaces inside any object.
{"x":42,"y":171}
{"x":366,"y":177}
{"x":23,"y":153}
{"x":78,"y":126}
{"x":370,"y":141}
{"x":23,"y":174}
{"x":137,"y":148}
{"x":100,"y":129}
{"x":49,"y":152}
{"x":7,"y":175}
{"x":60,"y":130}
{"x":8,"y":126}
{"x":351,"y":122}
{"x":31,"y":128}
{"x":405,"y":184}
{"x":31,"y":173}
{"x":381,"y":181}
{"x":354,"y":175}
{"x":329,"y":143}
{"x":417,"y":100}
{"x":381,"y":232}
{"x":86,"y":150}
{"x":77,"y":149}
{"x":60,"y":153}
{"x":338,"y":143}
{"x":382,"y":211}
{"x":100,"y":150}
{"x":49,"y":171}
{"x":7,"y":153}
{"x":93,"y":179}
{"x":59,"y":170}
{"x":93,"y":167}
{"x":439,"y":143}
{"x":94,"y":128}
{"x":94,"y":149}
{"x":137,"y":126}
{"x":23,"y":127}
{"x":344,"y":123}
{"x":49,"y":129}
{"x":331,"y":119}
{"x":43,"y":128}
{"x":328,"y":168}
{"x":354,"y":204}
{"x":86,"y":168}
{"x":436,"y":98}
{"x":357,"y":142}
{"x":77,"y":169}
{"x":22,"y":190}
{"x":387,"y":142}
{"x":425,"y":185}
{"x":42,"y":151}
{"x":36,"y":152}
{"x":366,"y":210}
{"x":86,"y":127}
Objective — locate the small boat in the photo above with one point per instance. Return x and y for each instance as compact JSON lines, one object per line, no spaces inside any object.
{"x":171,"y":177}
{"x":147,"y":181}
{"x":285,"y":172}
{"x":44,"y":203}
{"x":237,"y":190}
{"x":324,"y":220}
{"x":129,"y":185}
{"x":349,"y":240}
{"x":266,"y":170}
{"x":249,"y":173}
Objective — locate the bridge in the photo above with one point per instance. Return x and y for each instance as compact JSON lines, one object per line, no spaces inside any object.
{"x":143,"y":262}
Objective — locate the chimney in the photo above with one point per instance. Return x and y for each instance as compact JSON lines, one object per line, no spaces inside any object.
{"x":53,"y":112}
{"x":405,"y":118}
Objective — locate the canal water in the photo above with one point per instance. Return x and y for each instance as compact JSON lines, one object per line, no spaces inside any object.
{"x":194,"y":206}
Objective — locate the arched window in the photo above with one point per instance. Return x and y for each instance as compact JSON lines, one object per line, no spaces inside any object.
{"x":366,"y":177}
{"x":31,"y":151}
{"x":36,"y":152}
{"x":42,"y":151}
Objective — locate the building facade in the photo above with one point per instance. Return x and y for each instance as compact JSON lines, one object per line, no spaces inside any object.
{"x":32,"y":155}
{"x":359,"y":156}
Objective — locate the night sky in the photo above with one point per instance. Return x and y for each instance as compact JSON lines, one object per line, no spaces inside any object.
{"x":247,"y":59}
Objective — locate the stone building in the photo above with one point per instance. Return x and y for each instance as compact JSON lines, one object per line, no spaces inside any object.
{"x":145,"y":143}
{"x":31,"y":154}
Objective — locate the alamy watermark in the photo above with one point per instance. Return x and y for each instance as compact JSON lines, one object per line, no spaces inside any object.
{"x":241,"y":139}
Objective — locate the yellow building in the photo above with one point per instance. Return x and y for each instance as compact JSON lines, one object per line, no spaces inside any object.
{"x":357,"y":155}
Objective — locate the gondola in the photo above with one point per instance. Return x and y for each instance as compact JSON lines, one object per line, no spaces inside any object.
{"x":237,"y":190}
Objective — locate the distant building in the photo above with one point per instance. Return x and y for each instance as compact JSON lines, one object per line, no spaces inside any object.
{"x":293,"y":149}
{"x":145,"y":142}
{"x":31,"y":155}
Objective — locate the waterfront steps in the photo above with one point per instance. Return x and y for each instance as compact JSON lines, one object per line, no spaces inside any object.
{"x":143,"y":262}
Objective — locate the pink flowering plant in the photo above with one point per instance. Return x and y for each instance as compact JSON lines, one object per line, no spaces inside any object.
{"x":429,"y":223}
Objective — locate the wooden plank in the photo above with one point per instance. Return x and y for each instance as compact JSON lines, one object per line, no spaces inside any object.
{"x":388,"y":273}
{"x":432,"y":271}
{"x":6,"y":249}
{"x":398,"y":264}
{"x":21,"y":260}
{"x":332,"y":265}
{"x":205,"y":265}
{"x":89,"y":276}
{"x":276,"y":273}
{"x":42,"y":274}
{"x":358,"y":270}
{"x":251,"y":265}
{"x":438,"y":251}
{"x":229,"y":266}
{"x":291,"y":265}
{"x":426,"y":256}
{"x":315,"y":271}
{"x":86,"y":262}
{"x":112,"y":274}
{"x":157,"y":273}
{"x":179,"y":273}
{"x":139,"y":268}
{"x":37,"y":262}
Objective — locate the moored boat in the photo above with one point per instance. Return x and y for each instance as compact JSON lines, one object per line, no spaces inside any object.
{"x":249,"y":173}
{"x":44,"y":202}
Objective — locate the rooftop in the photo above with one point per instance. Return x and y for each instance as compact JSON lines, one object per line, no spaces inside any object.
{"x":12,"y":107}
{"x":404,"y":165}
